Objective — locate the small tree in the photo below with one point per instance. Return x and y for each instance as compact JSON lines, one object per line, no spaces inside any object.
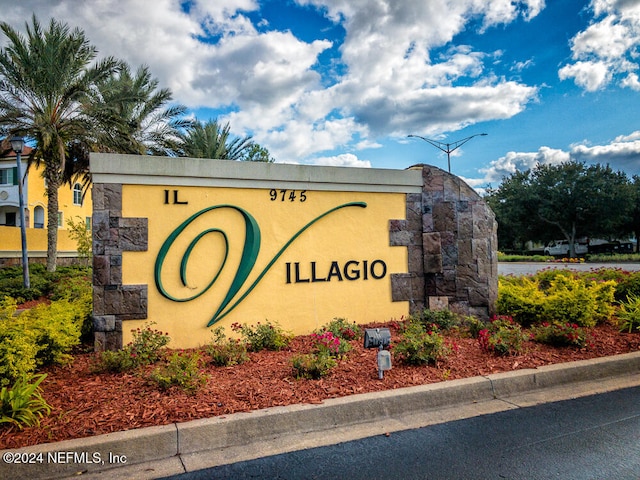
{"x":79,"y":232}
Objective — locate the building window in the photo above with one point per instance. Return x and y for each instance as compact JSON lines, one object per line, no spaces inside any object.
{"x":10,"y":219}
{"x":60,"y":219}
{"x":6,"y":176}
{"x":77,"y":194}
{"x":88,"y":223}
{"x":38,"y":217}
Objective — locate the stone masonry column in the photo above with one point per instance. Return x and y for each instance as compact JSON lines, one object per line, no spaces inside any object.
{"x":114,"y":302}
{"x":451,"y":236}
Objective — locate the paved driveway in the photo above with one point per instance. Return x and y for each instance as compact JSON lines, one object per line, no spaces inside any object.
{"x":517,"y":268}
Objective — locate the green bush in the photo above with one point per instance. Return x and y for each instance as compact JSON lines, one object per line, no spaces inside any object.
{"x":555,"y":296}
{"x":521,"y":298}
{"x":117,"y":361}
{"x":330,"y":344}
{"x":18,"y":350}
{"x":312,"y":365}
{"x":56,"y":329}
{"x":560,"y":334}
{"x":503,"y":337}
{"x":264,"y":336}
{"x":14,"y":287}
{"x":629,"y":314}
{"x":473,"y":325}
{"x":22,"y":404}
{"x":419,"y":346}
{"x":147,"y":344}
{"x":579,"y":301}
{"x":41,"y":336}
{"x":628,"y":286}
{"x":182,"y":370}
{"x":342,"y":328}
{"x":442,"y":320}
{"x":145,"y":349}
{"x":224,"y":351}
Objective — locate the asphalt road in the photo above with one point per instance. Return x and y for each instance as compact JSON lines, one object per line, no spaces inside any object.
{"x":595,"y":437}
{"x":524,"y":268}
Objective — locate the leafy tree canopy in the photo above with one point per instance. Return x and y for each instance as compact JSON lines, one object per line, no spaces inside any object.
{"x":567,"y":201}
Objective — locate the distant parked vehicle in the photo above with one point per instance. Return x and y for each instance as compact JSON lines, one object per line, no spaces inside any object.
{"x":611,"y":247}
{"x":560,"y":248}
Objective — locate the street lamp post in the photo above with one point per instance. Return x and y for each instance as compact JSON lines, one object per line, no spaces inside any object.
{"x":449,"y":147}
{"x":17,"y":144}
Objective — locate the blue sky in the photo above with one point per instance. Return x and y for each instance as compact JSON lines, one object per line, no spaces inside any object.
{"x":343,"y":82}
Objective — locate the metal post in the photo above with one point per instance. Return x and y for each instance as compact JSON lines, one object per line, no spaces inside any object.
{"x":17,"y":144}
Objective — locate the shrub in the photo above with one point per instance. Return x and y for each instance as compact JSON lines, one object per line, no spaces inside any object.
{"x":560,"y":334}
{"x":628,"y":286}
{"x":579,"y":301}
{"x":56,"y":328}
{"x":224,"y":351}
{"x":144,"y":349}
{"x":38,"y":337}
{"x":18,"y":351}
{"x":552,"y":296}
{"x":442,"y":320}
{"x":342,"y":328}
{"x":419,"y":346}
{"x":117,"y":361}
{"x":147,"y":344}
{"x":330,"y":344}
{"x":8,"y":307}
{"x":473,"y":325}
{"x":14,"y":287}
{"x":23,"y":404}
{"x":521,"y":298}
{"x":181,"y":370}
{"x":503,"y":337}
{"x":629,"y":314}
{"x":312,"y":366}
{"x":264,"y":336}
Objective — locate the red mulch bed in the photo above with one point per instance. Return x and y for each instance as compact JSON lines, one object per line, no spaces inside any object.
{"x":86,"y":404}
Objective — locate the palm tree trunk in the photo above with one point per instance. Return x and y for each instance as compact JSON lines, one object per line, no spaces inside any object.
{"x":53,"y":183}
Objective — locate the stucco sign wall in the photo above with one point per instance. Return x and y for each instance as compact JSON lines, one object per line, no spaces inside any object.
{"x":194,"y":244}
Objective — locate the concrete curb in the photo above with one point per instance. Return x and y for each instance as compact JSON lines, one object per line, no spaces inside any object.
{"x":176,"y":441}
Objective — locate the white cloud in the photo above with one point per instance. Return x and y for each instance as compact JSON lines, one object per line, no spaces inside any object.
{"x":589,"y":75}
{"x":212,"y":56}
{"x":520,"y":161}
{"x":342,"y":160}
{"x":623,"y":153}
{"x":631,"y":81}
{"x":606,"y":48}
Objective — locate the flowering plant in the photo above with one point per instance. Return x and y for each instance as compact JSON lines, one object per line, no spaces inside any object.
{"x":503,"y":337}
{"x":420,"y":346}
{"x":342,"y":328}
{"x":327,"y":342}
{"x":559,"y":334}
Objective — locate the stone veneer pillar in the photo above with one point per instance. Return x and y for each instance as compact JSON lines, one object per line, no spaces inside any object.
{"x":114,"y":302}
{"x":451,"y":237}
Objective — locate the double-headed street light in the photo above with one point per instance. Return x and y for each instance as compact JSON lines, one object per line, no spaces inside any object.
{"x":17,"y":144}
{"x":449,"y":147}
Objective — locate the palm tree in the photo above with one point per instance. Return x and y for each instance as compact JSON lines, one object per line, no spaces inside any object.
{"x":130,"y":115}
{"x":45,"y":78}
{"x":209,"y":140}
